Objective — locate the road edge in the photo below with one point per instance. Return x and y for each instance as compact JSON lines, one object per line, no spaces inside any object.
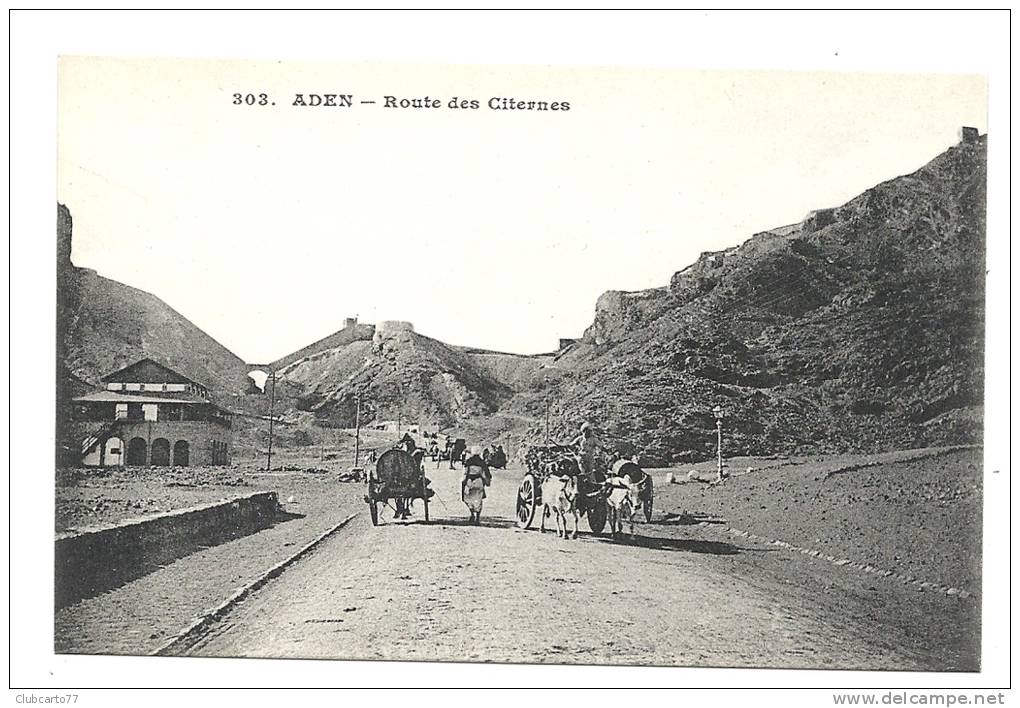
{"x":865,"y":568}
{"x":190,"y":634}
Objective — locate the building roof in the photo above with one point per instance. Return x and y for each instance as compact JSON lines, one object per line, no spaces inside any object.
{"x":113,"y":397}
{"x":151,"y":371}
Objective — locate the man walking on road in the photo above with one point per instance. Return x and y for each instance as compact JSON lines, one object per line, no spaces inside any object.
{"x":474,"y":467}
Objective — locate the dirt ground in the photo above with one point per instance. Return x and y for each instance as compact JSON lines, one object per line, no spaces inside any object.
{"x":684,"y":591}
{"x":916,"y":513}
{"x":95,"y":497}
{"x":920,"y":516}
{"x":677,"y":594}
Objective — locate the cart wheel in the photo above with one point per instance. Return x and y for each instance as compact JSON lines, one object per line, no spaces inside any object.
{"x":597,"y":516}
{"x":426,"y":503}
{"x":527,"y":500}
{"x":373,"y":511}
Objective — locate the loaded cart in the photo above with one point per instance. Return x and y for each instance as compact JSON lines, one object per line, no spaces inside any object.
{"x":398,"y":477}
{"x":544,"y":460}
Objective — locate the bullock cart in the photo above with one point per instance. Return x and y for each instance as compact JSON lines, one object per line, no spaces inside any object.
{"x":545,"y":460}
{"x":397,"y":477}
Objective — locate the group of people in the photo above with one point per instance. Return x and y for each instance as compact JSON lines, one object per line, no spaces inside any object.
{"x":456,"y":450}
{"x":585,"y":442}
{"x":496,"y":458}
{"x":478,"y":462}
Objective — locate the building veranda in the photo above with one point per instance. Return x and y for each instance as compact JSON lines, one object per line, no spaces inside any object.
{"x":151,"y":415}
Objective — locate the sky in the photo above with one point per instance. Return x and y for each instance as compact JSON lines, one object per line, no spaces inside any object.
{"x":266,"y":226}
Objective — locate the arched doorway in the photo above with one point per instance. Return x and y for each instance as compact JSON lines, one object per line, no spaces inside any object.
{"x":181,"y":453}
{"x":113,"y":456}
{"x":160,"y":453}
{"x":136,"y":452}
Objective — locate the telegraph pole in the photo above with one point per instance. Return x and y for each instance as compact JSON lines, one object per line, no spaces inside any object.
{"x":357,"y":431}
{"x":545,"y":383}
{"x":547,"y":419}
{"x":400,"y":409}
{"x":718,"y":432}
{"x":272,"y":416}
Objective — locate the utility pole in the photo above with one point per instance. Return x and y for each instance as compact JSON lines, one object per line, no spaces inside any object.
{"x":718,"y":432}
{"x":545,"y":385}
{"x":547,"y":420}
{"x":400,"y":409}
{"x":357,"y":431}
{"x":272,"y":417}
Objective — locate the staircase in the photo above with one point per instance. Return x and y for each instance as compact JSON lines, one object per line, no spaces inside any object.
{"x":99,"y":436}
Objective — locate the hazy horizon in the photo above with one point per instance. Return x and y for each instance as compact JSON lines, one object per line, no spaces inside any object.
{"x":267,"y":227}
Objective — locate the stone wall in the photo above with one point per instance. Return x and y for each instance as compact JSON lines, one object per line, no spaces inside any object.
{"x":617,"y":312}
{"x":388,"y":327}
{"x":103,"y":558}
{"x":969,"y":135}
{"x":352,"y":332}
{"x":392,"y":330}
{"x":819,"y":219}
{"x":64,"y":228}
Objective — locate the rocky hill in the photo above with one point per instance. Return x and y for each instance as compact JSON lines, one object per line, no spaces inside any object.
{"x":399,"y":374}
{"x":103,"y":325}
{"x":860,"y":328}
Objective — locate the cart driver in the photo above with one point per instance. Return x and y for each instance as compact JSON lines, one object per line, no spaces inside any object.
{"x":408,"y":443}
{"x":586,"y":445}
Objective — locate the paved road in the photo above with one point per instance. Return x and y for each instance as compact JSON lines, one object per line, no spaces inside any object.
{"x":452,"y":592}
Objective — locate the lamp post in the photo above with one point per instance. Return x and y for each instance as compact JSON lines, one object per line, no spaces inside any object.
{"x":718,"y":433}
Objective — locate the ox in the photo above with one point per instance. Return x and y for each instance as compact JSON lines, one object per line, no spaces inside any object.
{"x":621,"y":504}
{"x":559,"y":497}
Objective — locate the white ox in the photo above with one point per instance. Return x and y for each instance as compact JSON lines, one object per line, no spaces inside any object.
{"x":621,"y":504}
{"x":559,"y":497}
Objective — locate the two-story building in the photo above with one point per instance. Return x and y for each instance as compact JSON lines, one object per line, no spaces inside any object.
{"x":150,"y":414}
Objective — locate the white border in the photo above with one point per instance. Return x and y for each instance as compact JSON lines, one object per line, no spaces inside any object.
{"x":888,"y":42}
